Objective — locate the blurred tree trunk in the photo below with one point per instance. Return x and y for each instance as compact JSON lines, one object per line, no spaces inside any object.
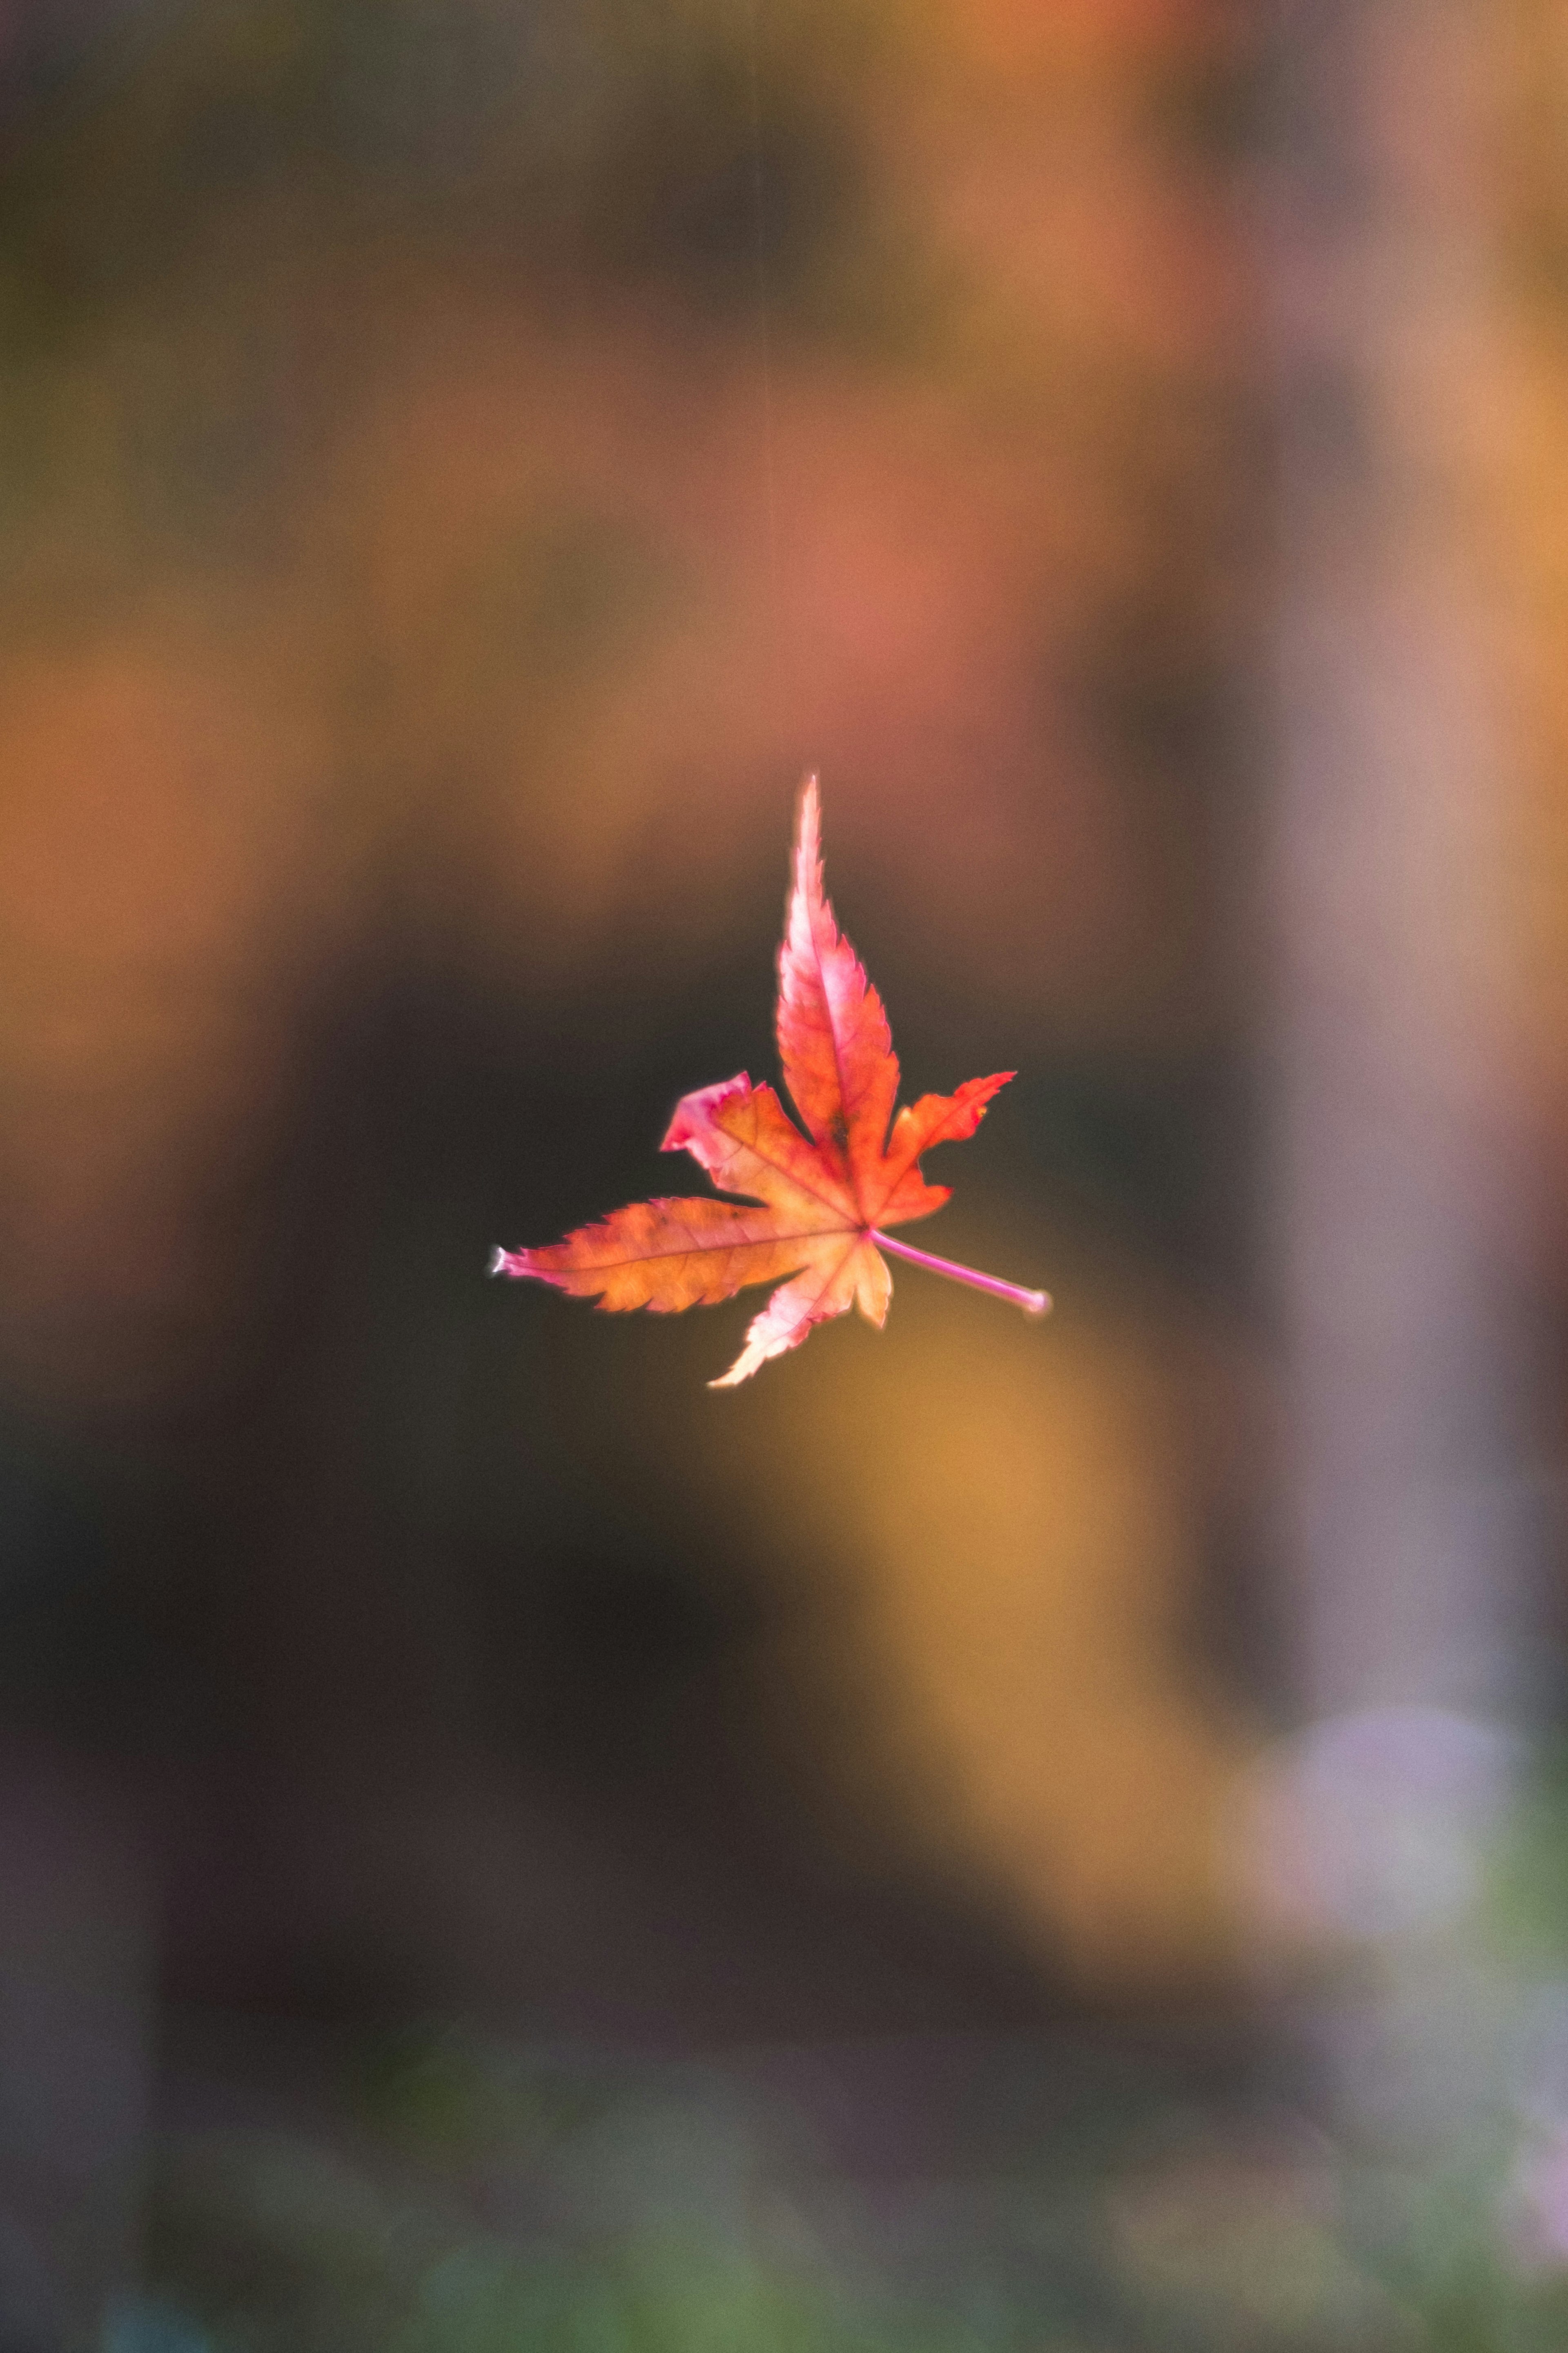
{"x":1405,"y":1359}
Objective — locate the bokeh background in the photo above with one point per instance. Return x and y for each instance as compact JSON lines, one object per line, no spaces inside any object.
{"x":995,"y":1836}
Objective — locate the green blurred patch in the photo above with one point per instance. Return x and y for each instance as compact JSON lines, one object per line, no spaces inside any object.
{"x":436,"y":2093}
{"x":1527,"y":1890}
{"x":659,"y":2299}
{"x":277,"y":2247}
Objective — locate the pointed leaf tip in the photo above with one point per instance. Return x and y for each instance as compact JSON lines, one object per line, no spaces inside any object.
{"x":694,"y":1114}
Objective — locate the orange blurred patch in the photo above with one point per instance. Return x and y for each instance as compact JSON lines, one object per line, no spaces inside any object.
{"x":161,"y":870}
{"x":1009,"y":1524}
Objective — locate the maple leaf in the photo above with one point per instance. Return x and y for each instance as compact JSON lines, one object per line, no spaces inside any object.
{"x":815,"y":1206}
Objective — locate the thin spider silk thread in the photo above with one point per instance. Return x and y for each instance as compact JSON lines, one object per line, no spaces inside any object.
{"x":766,"y":357}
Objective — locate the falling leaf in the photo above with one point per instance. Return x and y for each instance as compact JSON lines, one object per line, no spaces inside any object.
{"x":815,"y":1206}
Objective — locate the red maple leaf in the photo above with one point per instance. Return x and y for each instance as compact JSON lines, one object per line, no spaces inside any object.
{"x":814,"y":1210}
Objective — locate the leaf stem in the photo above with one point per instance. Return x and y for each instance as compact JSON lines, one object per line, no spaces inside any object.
{"x":1032,"y":1302}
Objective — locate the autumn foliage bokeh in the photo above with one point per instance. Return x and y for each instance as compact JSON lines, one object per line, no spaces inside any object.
{"x":463,"y":463}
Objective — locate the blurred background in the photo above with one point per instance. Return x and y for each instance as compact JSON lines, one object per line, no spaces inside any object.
{"x":993,"y":1836}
